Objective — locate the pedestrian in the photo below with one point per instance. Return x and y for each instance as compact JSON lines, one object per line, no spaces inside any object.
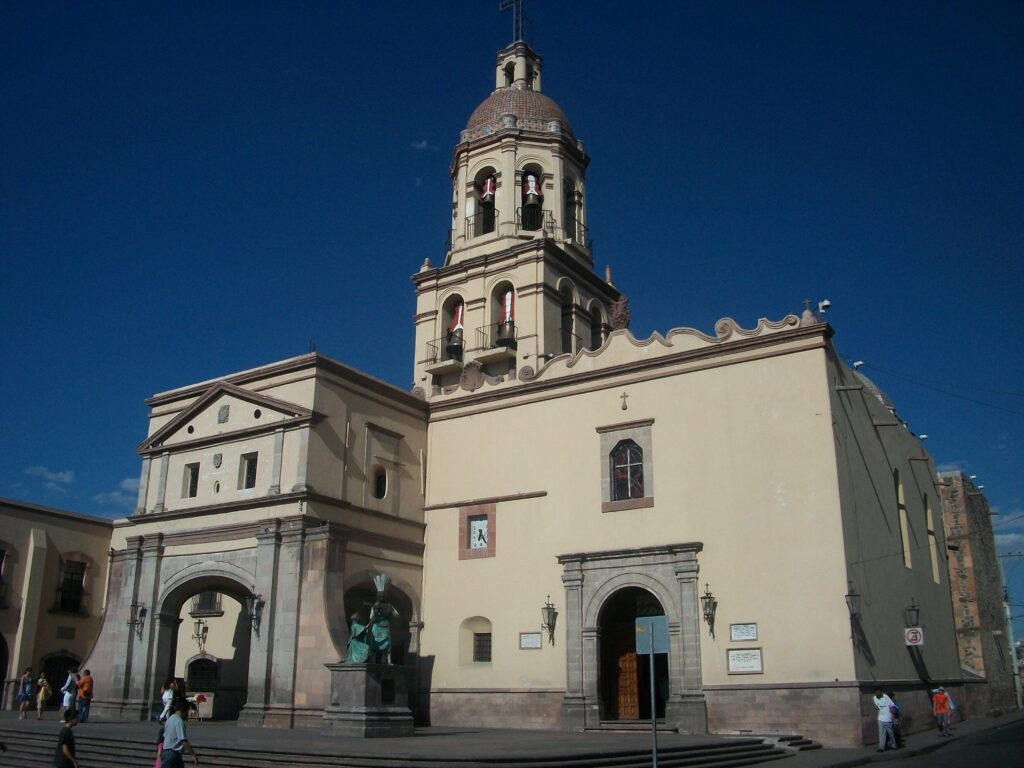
{"x":897,"y":718}
{"x":940,"y":706}
{"x":65,"y":757}
{"x":159,"y":748}
{"x":42,"y":694}
{"x":70,"y":690}
{"x":176,"y":740}
{"x":24,"y":693}
{"x":84,"y":696}
{"x":167,"y":699}
{"x":180,"y":695}
{"x":885,"y":730}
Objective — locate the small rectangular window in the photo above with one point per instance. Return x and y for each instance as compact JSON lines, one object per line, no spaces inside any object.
{"x":206,"y":603}
{"x":247,"y":471}
{"x":72,"y":587}
{"x":482,"y":646}
{"x":190,"y":481}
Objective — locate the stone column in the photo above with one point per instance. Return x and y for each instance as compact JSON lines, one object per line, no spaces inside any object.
{"x":261,"y":646}
{"x":142,"y":671}
{"x":287,"y":602}
{"x":161,"y":491}
{"x":508,"y":194}
{"x":573,"y":704}
{"x":302,"y":461}
{"x":275,"y":478}
{"x":687,"y":708}
{"x":140,"y":505}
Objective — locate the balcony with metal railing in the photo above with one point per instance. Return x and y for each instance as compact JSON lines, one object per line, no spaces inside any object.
{"x":483,"y":223}
{"x":496,"y":341}
{"x":446,"y":354}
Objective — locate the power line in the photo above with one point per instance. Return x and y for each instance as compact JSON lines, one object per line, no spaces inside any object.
{"x":945,"y":391}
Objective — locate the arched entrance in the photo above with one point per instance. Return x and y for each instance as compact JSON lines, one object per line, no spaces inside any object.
{"x":56,"y":666}
{"x":204,"y":638}
{"x":625,"y":676}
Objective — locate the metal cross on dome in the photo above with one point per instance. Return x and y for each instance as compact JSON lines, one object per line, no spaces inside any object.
{"x":516,"y":6}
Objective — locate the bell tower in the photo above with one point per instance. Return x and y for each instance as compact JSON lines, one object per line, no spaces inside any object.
{"x":516,"y":286}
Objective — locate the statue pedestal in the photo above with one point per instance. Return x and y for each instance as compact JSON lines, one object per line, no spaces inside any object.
{"x":368,"y":700}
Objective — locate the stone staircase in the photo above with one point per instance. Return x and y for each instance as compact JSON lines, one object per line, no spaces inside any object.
{"x":29,"y":749}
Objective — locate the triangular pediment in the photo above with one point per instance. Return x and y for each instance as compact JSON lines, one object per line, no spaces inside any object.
{"x":225,"y":411}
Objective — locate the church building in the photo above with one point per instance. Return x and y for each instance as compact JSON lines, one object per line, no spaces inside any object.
{"x":549,"y":480}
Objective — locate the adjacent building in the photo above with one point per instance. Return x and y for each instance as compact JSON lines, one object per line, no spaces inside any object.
{"x":53,"y":578}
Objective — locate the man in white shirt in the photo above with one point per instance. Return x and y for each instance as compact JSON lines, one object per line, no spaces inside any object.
{"x":886,"y":734}
{"x":175,"y":740}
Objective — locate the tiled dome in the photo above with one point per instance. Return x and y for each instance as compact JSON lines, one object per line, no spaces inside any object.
{"x":532,"y":109}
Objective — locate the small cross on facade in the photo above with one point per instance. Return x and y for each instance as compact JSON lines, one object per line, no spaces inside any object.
{"x":624,"y":396}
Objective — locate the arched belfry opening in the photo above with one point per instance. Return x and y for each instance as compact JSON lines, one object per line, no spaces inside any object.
{"x":502,"y":331}
{"x":625,"y":676}
{"x":531,"y":202}
{"x":485,"y":188}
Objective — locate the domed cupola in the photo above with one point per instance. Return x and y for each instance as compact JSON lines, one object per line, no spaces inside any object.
{"x":531,"y":111}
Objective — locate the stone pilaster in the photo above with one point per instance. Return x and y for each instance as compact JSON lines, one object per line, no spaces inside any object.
{"x":161,"y":488}
{"x":261,"y":647}
{"x":140,"y":505}
{"x":687,"y":709}
{"x":275,"y":477}
{"x":302,"y":461}
{"x":573,"y":716}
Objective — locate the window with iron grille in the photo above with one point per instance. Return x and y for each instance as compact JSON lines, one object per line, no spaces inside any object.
{"x":72,"y":587}
{"x":206,"y":604}
{"x":247,"y":471}
{"x":627,"y":471}
{"x":482,"y":646}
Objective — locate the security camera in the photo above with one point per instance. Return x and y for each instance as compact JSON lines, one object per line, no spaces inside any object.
{"x":823,"y":306}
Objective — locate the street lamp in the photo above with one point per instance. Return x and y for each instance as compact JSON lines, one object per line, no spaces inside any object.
{"x":912,"y":613}
{"x":254,"y":609}
{"x":137,"y":618}
{"x":709,"y":605}
{"x":201,"y":630}
{"x":548,"y":618}
{"x":853,"y":601}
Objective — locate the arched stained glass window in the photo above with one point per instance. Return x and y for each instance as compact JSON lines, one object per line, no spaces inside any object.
{"x":627,"y":460}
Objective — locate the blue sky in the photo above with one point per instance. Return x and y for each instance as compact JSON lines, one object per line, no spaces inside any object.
{"x":190,"y":189}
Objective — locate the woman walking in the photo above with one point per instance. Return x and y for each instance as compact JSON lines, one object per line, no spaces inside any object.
{"x":24,"y":696}
{"x":42,"y":694}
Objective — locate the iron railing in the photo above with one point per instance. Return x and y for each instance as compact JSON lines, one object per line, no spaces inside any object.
{"x":482,"y":223}
{"x":495,"y":335}
{"x":451,"y":346}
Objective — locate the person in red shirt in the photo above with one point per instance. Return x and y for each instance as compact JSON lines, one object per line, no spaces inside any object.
{"x":84,"y":696}
{"x":940,"y":706}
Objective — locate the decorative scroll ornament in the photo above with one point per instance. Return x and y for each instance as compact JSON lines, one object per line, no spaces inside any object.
{"x":621,"y":313}
{"x":487,"y":189}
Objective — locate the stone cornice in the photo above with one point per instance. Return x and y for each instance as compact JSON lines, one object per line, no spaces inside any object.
{"x":18,"y":508}
{"x":315,"y":361}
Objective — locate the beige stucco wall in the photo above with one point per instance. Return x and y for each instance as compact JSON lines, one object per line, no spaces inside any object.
{"x":743,"y":462}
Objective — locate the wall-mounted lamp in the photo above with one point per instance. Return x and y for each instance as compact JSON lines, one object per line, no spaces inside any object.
{"x":710,"y":605}
{"x":853,"y":601}
{"x":200,"y":631}
{"x":912,"y":613}
{"x":254,"y":609}
{"x":137,"y":620}
{"x":549,"y":616}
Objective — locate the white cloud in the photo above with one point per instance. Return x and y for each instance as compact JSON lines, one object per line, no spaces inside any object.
{"x":129,"y":484}
{"x":65,"y":478}
{"x":421,"y":146}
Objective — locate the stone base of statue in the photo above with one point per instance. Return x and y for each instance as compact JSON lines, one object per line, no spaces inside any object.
{"x":368,"y":700}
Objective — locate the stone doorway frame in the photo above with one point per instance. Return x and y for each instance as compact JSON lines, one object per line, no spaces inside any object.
{"x":669,"y":573}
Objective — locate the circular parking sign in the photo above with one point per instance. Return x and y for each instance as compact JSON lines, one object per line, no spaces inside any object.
{"x":914,"y":636}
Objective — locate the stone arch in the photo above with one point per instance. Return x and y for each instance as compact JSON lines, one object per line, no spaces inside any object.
{"x":620,"y":581}
{"x":176,"y":589}
{"x":360,"y":590}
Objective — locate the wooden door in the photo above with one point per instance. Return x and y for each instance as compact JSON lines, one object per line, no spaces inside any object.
{"x":624,"y":685}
